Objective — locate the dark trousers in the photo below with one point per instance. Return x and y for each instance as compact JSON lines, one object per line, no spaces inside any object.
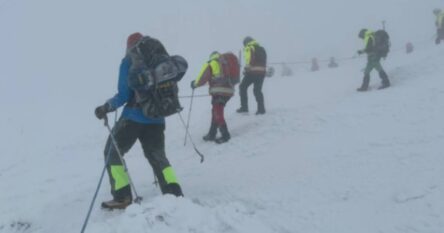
{"x":440,"y":35}
{"x":374,"y":62}
{"x":151,"y":137}
{"x":257,"y":82}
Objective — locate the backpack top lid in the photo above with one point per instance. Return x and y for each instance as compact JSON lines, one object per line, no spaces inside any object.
{"x":149,"y":50}
{"x":133,"y":39}
{"x":382,"y":36}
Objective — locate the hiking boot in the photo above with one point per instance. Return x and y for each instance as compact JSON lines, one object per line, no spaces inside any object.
{"x":383,"y":86}
{"x":174,"y":189}
{"x":117,"y":203}
{"x":365,"y":83}
{"x":385,"y":80}
{"x":222,"y":140}
{"x":211,"y":136}
{"x":242,"y":110}
{"x":260,"y":112}
{"x":225,"y":135}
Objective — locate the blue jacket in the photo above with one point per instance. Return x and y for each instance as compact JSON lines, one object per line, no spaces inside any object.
{"x":125,"y":94}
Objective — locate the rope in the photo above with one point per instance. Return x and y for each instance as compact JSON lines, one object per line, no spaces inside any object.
{"x":346,"y":59}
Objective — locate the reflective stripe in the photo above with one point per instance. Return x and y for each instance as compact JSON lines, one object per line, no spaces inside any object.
{"x":222,"y":90}
{"x":169,"y":176}
{"x":256,"y":69}
{"x":120,"y":176}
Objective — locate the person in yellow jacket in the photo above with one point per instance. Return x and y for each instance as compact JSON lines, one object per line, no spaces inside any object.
{"x":439,"y":25}
{"x":221,"y":89}
{"x":373,"y":60}
{"x":254,"y":73}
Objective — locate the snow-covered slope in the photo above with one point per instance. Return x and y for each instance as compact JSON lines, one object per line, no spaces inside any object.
{"x":324,"y":158}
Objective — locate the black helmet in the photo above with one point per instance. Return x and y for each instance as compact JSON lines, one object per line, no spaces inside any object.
{"x":247,"y":40}
{"x":436,"y":11}
{"x":362,"y":33}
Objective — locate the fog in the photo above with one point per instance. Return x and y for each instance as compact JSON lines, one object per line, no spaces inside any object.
{"x":59,"y":59}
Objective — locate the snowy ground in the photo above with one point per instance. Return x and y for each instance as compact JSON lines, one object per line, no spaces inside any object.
{"x":324,"y":158}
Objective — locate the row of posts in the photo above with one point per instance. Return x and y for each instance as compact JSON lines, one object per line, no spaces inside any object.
{"x":286,"y":71}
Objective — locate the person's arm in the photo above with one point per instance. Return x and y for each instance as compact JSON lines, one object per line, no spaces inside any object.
{"x":247,"y":55}
{"x":124,"y":92}
{"x":204,"y":76}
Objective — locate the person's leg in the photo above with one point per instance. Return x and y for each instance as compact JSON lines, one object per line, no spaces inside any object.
{"x":125,"y":134}
{"x":368,"y":69}
{"x":211,"y":136}
{"x":219,"y":118}
{"x":257,"y":90}
{"x":440,"y":35}
{"x":153,"y":143}
{"x":382,"y":74}
{"x":243,"y":87}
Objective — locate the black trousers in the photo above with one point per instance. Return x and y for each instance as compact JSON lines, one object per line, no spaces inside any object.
{"x":257,"y":82}
{"x":152,"y":139}
{"x":440,"y":35}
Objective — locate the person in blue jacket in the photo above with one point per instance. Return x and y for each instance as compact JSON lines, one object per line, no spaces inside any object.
{"x":133,"y":126}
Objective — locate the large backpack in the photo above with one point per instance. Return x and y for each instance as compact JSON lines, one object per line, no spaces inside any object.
{"x":260,"y":56}
{"x":382,"y":43}
{"x":153,"y":76}
{"x":230,"y":67}
{"x":258,"y":62}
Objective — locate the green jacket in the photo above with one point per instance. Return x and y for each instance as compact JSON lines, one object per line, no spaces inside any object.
{"x":440,"y":20}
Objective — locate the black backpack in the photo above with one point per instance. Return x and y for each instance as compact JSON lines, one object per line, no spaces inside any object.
{"x":260,"y":56}
{"x":153,"y":76}
{"x":382,"y":43}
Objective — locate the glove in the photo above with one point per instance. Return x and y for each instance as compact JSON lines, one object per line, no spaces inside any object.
{"x":192,"y":85}
{"x":102,"y":110}
{"x":360,"y":52}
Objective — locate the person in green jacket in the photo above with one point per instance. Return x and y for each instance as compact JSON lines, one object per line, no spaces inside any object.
{"x":439,"y":25}
{"x":373,"y":60}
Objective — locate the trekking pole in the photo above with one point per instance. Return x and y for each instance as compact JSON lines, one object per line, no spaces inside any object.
{"x":191,"y":140}
{"x":116,"y":113}
{"x":155,"y":182}
{"x":188,"y":120}
{"x":85,"y":223}
{"x":138,"y":198}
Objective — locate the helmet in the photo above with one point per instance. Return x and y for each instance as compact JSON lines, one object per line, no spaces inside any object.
{"x":436,"y":11}
{"x":133,"y":39}
{"x":362,"y":33}
{"x":247,"y":40}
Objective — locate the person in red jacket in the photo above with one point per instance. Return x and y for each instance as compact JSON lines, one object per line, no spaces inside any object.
{"x":221,"y":89}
